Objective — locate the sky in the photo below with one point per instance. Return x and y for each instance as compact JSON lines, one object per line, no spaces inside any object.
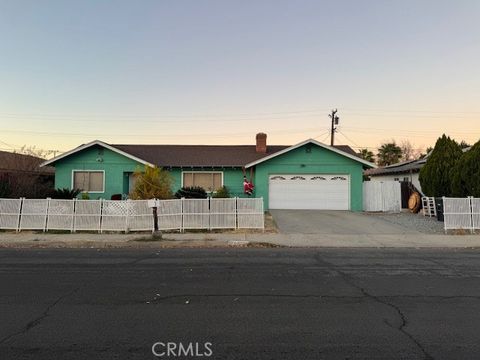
{"x":219,"y":71}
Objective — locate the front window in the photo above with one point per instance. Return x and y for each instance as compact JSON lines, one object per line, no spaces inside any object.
{"x":88,"y":181}
{"x":210,"y":181}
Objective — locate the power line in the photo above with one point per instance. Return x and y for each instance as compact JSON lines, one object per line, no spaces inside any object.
{"x":287,"y":131}
{"x":313,"y":111}
{"x":99,"y":115}
{"x":346,"y":137}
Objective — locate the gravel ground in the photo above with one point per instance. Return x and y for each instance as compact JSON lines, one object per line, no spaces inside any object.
{"x":418,"y":222}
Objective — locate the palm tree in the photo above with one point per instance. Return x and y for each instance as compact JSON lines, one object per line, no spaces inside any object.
{"x":366,"y":154}
{"x":388,"y":154}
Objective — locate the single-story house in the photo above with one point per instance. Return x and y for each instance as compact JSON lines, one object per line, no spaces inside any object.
{"x":308,"y":175}
{"x":407,"y":172}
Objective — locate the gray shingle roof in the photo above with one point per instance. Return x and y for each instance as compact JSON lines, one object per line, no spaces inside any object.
{"x":400,"y":168}
{"x":15,"y":162}
{"x":204,"y":155}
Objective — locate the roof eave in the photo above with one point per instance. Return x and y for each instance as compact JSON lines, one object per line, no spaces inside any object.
{"x":90,"y":144}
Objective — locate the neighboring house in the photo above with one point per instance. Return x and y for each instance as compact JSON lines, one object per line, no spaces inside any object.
{"x":22,"y":176}
{"x":407,"y":171}
{"x":308,"y":175}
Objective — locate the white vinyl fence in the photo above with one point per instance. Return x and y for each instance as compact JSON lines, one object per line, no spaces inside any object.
{"x":233,"y":213}
{"x":130,"y":215}
{"x":382,"y":196}
{"x":461,"y":213}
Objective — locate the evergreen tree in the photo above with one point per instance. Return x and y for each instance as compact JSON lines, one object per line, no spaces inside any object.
{"x":466,"y":174}
{"x":435,"y":176}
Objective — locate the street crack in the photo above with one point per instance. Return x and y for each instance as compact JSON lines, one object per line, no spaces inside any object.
{"x":35,"y":322}
{"x":349,"y":280}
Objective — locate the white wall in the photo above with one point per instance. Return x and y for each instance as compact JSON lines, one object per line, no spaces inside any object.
{"x":413,"y":179}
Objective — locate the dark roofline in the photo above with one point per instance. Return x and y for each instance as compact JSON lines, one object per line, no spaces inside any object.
{"x":191,"y":156}
{"x":406,"y":167}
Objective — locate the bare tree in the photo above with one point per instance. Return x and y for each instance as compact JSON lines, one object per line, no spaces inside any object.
{"x":409,"y":152}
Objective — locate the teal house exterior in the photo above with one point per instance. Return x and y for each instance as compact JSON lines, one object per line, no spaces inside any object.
{"x":308,"y":175}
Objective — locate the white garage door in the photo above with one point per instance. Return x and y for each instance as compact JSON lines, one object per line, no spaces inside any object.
{"x":322,"y":192}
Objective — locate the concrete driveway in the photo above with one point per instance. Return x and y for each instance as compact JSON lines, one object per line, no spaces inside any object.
{"x":335,"y":223}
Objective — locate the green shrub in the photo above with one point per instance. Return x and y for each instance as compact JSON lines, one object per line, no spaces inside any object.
{"x":152,"y":182}
{"x":191,"y":192}
{"x":466,"y":174}
{"x":65,"y":193}
{"x":221,"y":193}
{"x":435,"y":177}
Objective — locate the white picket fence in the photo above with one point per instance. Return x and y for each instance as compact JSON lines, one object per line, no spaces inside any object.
{"x":130,"y":215}
{"x":382,"y":196}
{"x":461,"y":213}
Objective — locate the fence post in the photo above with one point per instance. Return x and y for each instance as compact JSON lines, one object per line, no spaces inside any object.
{"x":236,"y":212}
{"x":45,"y":224}
{"x":72,"y":229}
{"x":470,"y":207}
{"x":182,"y":212}
{"x":20,"y":207}
{"x":127,"y":208}
{"x":262,"y":214}
{"x":474,"y":222}
{"x":209,"y":200}
{"x":444,"y":218}
{"x":101,"y":216}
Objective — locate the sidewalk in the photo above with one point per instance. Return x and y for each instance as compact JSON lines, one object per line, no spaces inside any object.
{"x":146,"y":240}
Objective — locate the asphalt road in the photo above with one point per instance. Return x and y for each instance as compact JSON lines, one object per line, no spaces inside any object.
{"x":248,"y":303}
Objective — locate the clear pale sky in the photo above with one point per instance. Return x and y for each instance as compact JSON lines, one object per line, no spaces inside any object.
{"x":217,"y":72}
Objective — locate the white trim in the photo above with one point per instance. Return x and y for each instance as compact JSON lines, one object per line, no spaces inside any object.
{"x":313,"y":141}
{"x":201,"y":172}
{"x":85,"y":170}
{"x":90,"y":144}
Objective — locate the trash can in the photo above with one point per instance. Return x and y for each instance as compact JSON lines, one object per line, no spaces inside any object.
{"x":439,"y":206}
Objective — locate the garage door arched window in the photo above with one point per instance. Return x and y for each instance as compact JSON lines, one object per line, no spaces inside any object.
{"x":298,"y":178}
{"x":321,"y":178}
{"x":341,"y":178}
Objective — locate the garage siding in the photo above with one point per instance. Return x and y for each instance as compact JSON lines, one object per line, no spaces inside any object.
{"x":311,"y":159}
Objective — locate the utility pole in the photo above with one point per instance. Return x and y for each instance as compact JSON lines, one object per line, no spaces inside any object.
{"x":335,"y":120}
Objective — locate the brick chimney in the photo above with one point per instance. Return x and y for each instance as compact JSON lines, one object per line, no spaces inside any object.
{"x":261,"y":143}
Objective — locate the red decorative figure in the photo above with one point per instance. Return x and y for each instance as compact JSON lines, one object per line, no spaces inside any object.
{"x":247,"y":186}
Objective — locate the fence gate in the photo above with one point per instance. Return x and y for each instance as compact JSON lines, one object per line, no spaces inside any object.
{"x":382,"y":196}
